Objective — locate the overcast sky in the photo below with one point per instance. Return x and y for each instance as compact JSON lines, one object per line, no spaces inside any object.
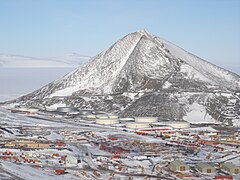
{"x":209,"y":29}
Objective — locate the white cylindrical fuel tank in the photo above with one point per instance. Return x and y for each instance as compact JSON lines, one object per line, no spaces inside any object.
{"x":146,"y":119}
{"x":90,"y":116}
{"x":125,"y":120}
{"x":107,"y":121}
{"x":176,"y":124}
{"x":137,"y":125}
{"x":113,"y":116}
{"x":102,"y":116}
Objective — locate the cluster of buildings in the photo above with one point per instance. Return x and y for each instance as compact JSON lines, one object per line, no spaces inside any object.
{"x":205,"y":168}
{"x":31,"y":144}
{"x":133,"y":146}
{"x":39,"y":158}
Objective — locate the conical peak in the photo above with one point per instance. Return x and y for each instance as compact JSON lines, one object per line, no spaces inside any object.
{"x":143,"y":32}
{"x":139,"y":62}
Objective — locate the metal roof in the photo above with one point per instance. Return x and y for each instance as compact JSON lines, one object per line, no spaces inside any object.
{"x":204,"y":165}
{"x":230,"y":165}
{"x":178,"y":163}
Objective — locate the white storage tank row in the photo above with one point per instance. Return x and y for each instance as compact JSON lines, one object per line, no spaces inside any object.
{"x":107,"y":121}
{"x":146,"y":119}
{"x":137,"y":125}
{"x":102,"y":116}
{"x":90,"y":116}
{"x":124,"y":120}
{"x":99,"y":116}
{"x":144,"y":122}
{"x":138,"y":122}
{"x":113,"y":116}
{"x":141,"y":122}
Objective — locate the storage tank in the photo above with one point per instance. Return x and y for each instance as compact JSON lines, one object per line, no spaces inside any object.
{"x":146,"y":119}
{"x":160,"y":126}
{"x":113,"y":116}
{"x":124,"y":120}
{"x":90,"y":116}
{"x":66,"y":109}
{"x":85,"y":111}
{"x":107,"y":121}
{"x":137,"y":125}
{"x":102,"y":116}
{"x":119,"y":125}
{"x":176,"y":124}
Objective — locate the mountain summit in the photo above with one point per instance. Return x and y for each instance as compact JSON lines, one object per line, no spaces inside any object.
{"x":142,"y":74}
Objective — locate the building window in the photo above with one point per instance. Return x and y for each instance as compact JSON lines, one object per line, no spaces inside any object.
{"x":209,"y":171}
{"x":182,"y":168}
{"x":236,"y":171}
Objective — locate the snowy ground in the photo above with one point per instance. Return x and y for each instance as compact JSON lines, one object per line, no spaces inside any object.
{"x":29,"y":173}
{"x":17,"y":119}
{"x":198,"y":115}
{"x":87,"y":150}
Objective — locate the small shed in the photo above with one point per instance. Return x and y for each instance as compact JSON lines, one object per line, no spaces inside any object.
{"x":231,"y":168}
{"x":205,"y":168}
{"x":177,"y":166}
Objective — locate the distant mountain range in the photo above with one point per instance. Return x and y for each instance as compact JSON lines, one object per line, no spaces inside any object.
{"x":18,"y":61}
{"x":144,"y":75}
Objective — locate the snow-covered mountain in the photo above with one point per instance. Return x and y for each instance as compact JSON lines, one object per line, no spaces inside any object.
{"x":142,"y":74}
{"x":17,"y":61}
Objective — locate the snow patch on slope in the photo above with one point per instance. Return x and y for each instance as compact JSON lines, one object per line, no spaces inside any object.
{"x":197,"y":114}
{"x":100,"y":73}
{"x":167,"y":85}
{"x":193,"y":74}
{"x":216,"y":74}
{"x":55,"y":106}
{"x":236,"y":123}
{"x":64,"y":92}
